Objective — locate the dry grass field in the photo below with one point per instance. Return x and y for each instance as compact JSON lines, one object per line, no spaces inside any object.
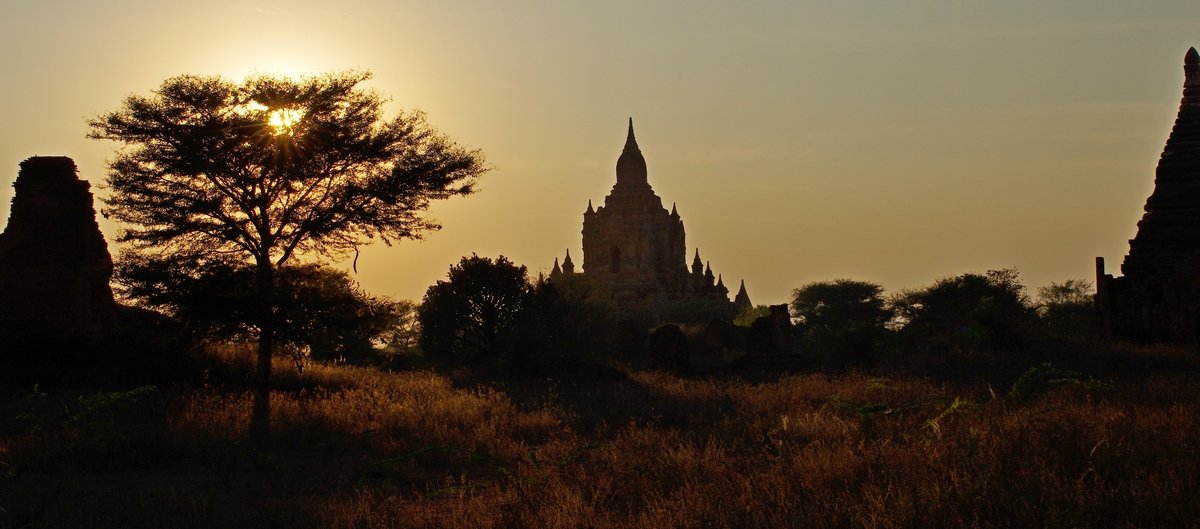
{"x":364,"y":448}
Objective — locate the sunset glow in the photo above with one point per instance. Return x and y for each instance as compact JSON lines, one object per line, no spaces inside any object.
{"x":395,"y":264}
{"x":284,"y":119}
{"x":889,"y":142}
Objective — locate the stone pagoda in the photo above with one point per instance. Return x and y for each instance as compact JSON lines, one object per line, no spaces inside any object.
{"x":634,"y":249}
{"x":1158,"y":297}
{"x":54,"y":262}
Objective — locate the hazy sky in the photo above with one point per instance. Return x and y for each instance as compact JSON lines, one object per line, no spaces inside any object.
{"x":896,"y":142}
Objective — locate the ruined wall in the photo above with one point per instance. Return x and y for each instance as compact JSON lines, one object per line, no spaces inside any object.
{"x":54,"y":262}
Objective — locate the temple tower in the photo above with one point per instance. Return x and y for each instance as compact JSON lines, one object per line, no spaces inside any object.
{"x":1158,"y":298}
{"x":54,"y":262}
{"x":632,"y":244}
{"x":634,"y":249}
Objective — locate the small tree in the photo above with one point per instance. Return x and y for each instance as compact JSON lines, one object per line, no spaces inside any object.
{"x":1068,"y":309}
{"x":267,"y":169}
{"x":470,"y":315}
{"x":843,"y":316}
{"x":967,"y":312}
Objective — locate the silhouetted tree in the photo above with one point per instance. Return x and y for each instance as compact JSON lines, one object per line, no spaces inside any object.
{"x":269,"y":168}
{"x":566,"y":318}
{"x":967,"y":312}
{"x":1068,"y":309}
{"x":844,"y":317}
{"x":404,"y":336}
{"x":469,"y":315}
{"x":318,"y":307}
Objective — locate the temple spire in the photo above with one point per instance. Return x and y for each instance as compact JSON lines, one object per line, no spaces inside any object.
{"x":568,"y":267}
{"x":589,"y":209}
{"x":1191,"y":70}
{"x":741,"y":302}
{"x":631,"y":166}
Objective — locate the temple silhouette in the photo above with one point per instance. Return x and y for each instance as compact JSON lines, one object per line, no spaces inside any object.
{"x":634,"y":250}
{"x":54,"y":264}
{"x":1158,"y":297}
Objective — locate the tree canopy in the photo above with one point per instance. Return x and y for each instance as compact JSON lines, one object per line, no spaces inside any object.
{"x":468,"y":315}
{"x":274,"y":166}
{"x":269,"y":168}
{"x":844,"y":317}
{"x":317,"y":307}
{"x":967,"y":312}
{"x":841,"y":302}
{"x":1068,"y":309}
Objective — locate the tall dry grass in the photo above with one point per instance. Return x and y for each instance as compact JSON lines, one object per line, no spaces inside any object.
{"x":358,"y":447}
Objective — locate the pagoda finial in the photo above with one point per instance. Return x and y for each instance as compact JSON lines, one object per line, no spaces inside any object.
{"x":697,"y":265}
{"x":631,"y":166}
{"x":568,"y":267}
{"x":1191,"y":69}
{"x":674,"y":212}
{"x":741,"y":301}
{"x":589,"y":209}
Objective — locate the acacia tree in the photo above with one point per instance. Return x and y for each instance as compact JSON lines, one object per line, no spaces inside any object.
{"x":270,"y":168}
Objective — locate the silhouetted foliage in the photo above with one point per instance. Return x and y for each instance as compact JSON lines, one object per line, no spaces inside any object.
{"x":404,"y":337}
{"x":969,"y":312}
{"x":469,"y":316}
{"x":565,"y":320}
{"x":317,"y":307}
{"x":1069,"y":309}
{"x":272,"y":167}
{"x":747,"y":317}
{"x":488,"y":313}
{"x":843,"y":317}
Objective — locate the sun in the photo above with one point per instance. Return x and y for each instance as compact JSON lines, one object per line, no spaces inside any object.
{"x":283,"y":120}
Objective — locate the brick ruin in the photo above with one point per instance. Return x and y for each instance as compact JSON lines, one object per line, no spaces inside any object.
{"x":1158,"y":297}
{"x":54,"y":262}
{"x":634,"y":249}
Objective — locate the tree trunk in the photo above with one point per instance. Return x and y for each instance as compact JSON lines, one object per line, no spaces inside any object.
{"x":260,"y":417}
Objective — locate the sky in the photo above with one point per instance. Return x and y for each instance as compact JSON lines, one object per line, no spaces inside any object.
{"x":893,"y":142}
